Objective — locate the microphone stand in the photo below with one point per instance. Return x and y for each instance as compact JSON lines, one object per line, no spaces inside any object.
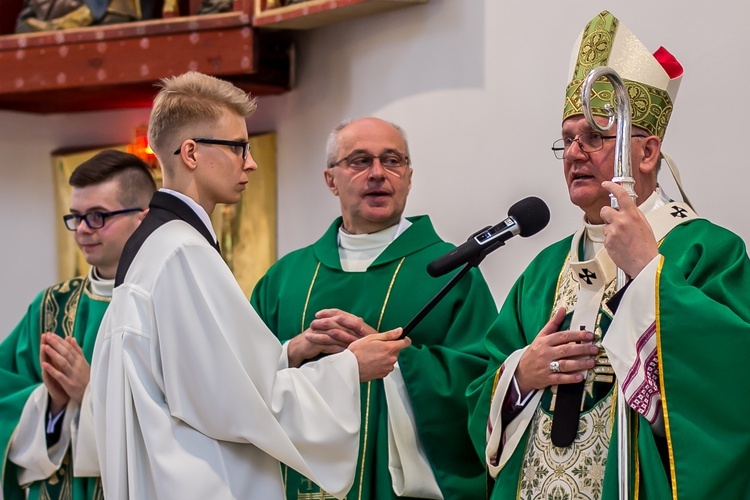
{"x":447,"y":288}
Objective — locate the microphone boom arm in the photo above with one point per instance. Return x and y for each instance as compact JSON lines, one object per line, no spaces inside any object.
{"x":525,"y":218}
{"x":443,"y":292}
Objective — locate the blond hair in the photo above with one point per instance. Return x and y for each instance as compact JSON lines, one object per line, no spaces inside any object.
{"x":191,"y":99}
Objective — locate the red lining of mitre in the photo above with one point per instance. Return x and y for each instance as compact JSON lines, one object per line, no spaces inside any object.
{"x":670,"y":64}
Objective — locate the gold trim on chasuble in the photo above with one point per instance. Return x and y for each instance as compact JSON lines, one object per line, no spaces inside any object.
{"x":576,"y":471}
{"x":66,"y":489}
{"x":49,"y":312}
{"x":322,"y":495}
{"x":51,"y":308}
{"x":664,"y":406}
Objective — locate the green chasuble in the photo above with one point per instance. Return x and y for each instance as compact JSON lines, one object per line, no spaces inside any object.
{"x":447,"y":349}
{"x":68,"y":309}
{"x":702,"y":329}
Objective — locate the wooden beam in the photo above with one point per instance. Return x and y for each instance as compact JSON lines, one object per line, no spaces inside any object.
{"x":116,"y":66}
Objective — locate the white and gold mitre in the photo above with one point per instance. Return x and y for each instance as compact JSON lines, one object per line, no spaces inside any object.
{"x":652,"y":80}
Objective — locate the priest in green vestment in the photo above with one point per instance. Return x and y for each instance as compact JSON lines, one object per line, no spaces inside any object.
{"x":368,"y":273}
{"x":44,"y":361}
{"x":673,"y":341}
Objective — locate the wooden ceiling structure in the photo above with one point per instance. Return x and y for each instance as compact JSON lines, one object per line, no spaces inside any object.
{"x":116,"y":66}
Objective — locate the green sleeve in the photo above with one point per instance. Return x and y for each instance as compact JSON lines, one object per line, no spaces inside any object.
{"x":436,"y":376}
{"x":19,"y":376}
{"x":258,"y":299}
{"x":703,"y":341}
{"x":526,"y":309}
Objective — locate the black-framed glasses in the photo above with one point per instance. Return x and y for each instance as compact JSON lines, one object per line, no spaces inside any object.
{"x":589,"y":143}
{"x":94,"y":220}
{"x":240,"y":148}
{"x":358,"y":161}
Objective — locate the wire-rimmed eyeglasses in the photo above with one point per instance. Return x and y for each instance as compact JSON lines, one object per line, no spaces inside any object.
{"x":589,"y":143}
{"x":358,"y":161}
{"x":94,"y":220}
{"x":240,"y":148}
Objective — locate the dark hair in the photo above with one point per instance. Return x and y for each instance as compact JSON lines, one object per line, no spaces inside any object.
{"x":133,"y":175}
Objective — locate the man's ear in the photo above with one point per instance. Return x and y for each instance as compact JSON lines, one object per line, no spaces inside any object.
{"x":188,"y":154}
{"x":139,"y":217}
{"x":330,"y":181}
{"x":142,"y":215}
{"x":651,"y":153}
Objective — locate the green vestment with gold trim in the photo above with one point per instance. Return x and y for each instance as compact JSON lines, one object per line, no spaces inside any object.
{"x":446,"y":353}
{"x":70,"y":310}
{"x":703,"y":337}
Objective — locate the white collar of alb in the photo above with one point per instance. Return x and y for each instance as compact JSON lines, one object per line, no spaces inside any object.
{"x":199,"y":210}
{"x":379,"y":239}
{"x":100,"y":286}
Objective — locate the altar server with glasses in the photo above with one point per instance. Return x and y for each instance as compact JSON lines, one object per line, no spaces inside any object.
{"x":193,"y":396}
{"x":44,"y":362}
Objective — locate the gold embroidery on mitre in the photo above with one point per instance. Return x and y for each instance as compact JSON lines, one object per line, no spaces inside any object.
{"x":596,"y":45}
{"x":651,"y":107}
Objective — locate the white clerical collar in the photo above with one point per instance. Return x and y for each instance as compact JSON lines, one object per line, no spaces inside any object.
{"x":358,"y":251}
{"x":199,"y":210}
{"x":595,"y":232}
{"x":100,"y":286}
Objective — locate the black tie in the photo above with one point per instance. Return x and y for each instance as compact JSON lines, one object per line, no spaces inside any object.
{"x":567,"y":413}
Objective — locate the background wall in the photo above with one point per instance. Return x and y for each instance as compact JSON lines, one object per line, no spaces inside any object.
{"x":477,"y":84}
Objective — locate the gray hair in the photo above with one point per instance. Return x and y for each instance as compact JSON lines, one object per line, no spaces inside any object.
{"x":332,"y":144}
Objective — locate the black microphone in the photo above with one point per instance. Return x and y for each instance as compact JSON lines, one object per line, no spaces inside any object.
{"x":526,"y":217}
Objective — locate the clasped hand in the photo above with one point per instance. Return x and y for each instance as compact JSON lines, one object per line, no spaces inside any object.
{"x":334,"y":330}
{"x":65,"y":371}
